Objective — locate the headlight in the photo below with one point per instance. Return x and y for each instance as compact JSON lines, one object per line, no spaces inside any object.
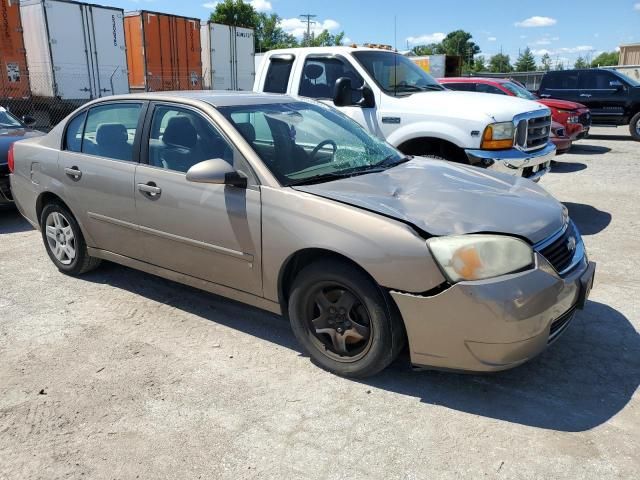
{"x":573,"y":116}
{"x":476,"y":257}
{"x":498,"y":136}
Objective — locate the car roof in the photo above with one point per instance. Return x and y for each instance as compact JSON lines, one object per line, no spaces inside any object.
{"x":216,"y":98}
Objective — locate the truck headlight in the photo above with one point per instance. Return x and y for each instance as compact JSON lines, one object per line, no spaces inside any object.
{"x":498,"y":136}
{"x":477,"y":257}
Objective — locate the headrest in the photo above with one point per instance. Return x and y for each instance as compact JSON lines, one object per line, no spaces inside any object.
{"x":247,"y":130}
{"x":111,"y":133}
{"x":180,"y":132}
{"x":313,"y":71}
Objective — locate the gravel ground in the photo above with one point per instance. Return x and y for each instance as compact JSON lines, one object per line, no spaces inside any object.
{"x":123,"y":375}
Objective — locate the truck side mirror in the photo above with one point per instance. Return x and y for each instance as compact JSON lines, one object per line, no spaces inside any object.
{"x":342,"y":92}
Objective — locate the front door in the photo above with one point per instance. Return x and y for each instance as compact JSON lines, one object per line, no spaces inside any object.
{"x":606,"y":101}
{"x":97,"y":167}
{"x":211,"y":232}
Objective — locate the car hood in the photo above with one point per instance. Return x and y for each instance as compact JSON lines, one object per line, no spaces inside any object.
{"x":443,"y":198}
{"x":562,"y":104}
{"x":10,"y":135}
{"x":499,"y":108}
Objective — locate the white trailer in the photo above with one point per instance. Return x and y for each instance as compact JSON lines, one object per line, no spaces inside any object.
{"x":227,"y":57}
{"x":75,"y":51}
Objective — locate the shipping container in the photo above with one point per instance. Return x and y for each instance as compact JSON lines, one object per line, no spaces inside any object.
{"x":14,"y":78}
{"x":75,"y":51}
{"x":163,"y":51}
{"x":439,"y":66}
{"x":227,"y":57}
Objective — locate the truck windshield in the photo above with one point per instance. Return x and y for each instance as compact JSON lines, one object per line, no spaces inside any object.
{"x":303,"y":142}
{"x":518,"y":91}
{"x":396,"y":74}
{"x":8,"y":120}
{"x":631,"y":81}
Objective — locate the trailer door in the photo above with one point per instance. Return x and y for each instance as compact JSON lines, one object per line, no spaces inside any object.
{"x":108,"y":52}
{"x":221,"y":58}
{"x":245,"y":71}
{"x":69,"y":42}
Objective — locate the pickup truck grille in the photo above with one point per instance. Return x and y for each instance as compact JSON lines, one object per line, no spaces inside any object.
{"x":533,"y":133}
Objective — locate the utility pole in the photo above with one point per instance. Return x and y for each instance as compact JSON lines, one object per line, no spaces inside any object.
{"x":308,"y":18}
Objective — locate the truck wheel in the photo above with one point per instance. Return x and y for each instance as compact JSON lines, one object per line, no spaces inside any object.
{"x":64,"y":242}
{"x":341,"y":319}
{"x":634,"y":127}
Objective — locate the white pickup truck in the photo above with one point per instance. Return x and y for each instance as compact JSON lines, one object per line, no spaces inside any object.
{"x":396,"y":100}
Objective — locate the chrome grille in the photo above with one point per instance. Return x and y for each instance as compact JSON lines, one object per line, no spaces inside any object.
{"x":533,"y":132}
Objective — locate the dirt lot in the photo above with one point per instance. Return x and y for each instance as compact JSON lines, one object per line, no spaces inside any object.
{"x":122,"y":375}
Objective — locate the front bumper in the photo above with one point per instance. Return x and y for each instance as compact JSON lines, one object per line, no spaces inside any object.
{"x":494,"y":324}
{"x":532,"y":165}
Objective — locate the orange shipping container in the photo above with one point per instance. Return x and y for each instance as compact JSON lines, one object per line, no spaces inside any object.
{"x":14,"y":79}
{"x":163,"y":51}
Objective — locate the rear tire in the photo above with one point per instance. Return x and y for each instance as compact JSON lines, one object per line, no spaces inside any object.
{"x":64,"y":241}
{"x":340,"y":317}
{"x":634,"y":127}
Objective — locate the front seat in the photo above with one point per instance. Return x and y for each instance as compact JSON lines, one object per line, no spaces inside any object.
{"x":112,"y":141}
{"x":179,"y":140}
{"x":313,"y":71}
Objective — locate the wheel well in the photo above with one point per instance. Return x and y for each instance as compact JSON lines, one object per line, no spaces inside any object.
{"x":47,"y":198}
{"x":434,"y":146}
{"x":296,"y":262}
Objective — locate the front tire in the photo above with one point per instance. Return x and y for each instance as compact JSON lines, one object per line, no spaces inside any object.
{"x":64,"y":241}
{"x":634,"y":127}
{"x":340,"y":317}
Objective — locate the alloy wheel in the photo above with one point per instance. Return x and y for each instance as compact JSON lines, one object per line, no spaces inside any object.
{"x":60,"y":238}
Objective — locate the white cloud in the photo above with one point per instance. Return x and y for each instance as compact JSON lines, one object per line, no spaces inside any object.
{"x":541,"y":52}
{"x":637,"y":6}
{"x":261,"y":5}
{"x":347,"y":41}
{"x":543,"y":41}
{"x":297,"y":27}
{"x":211,"y":5}
{"x":492,"y":39}
{"x":426,"y":38}
{"x":536,"y":21}
{"x":578,"y":49}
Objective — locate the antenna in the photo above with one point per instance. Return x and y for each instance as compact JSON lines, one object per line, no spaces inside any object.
{"x":308,"y":17}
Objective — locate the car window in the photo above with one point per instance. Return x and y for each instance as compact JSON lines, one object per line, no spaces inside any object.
{"x":484,"y":88}
{"x":561,"y":81}
{"x":596,"y":80}
{"x":180,"y":138}
{"x":464,"y":87}
{"x":8,"y":120}
{"x":110,"y":130}
{"x":73,"y":136}
{"x":278,"y":75}
{"x":319,"y":77}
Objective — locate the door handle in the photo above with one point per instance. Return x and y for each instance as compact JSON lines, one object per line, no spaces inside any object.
{"x":150,"y":189}
{"x":545,"y":95}
{"x":73,"y":172}
{"x":586,"y":95}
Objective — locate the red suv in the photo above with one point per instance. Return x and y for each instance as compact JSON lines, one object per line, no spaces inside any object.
{"x":575,"y":117}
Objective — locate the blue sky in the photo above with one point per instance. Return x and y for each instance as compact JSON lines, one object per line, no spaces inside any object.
{"x":564,"y":29}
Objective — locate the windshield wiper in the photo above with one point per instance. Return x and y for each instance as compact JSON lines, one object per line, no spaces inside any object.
{"x":391,"y":161}
{"x":388,"y":162}
{"x":317,"y":179}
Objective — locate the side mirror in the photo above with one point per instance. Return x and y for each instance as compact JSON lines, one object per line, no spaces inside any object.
{"x":28,"y":120}
{"x":616,"y":84}
{"x":216,"y":171}
{"x":342,"y":94}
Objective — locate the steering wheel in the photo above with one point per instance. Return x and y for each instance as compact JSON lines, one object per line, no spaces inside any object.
{"x":315,"y":151}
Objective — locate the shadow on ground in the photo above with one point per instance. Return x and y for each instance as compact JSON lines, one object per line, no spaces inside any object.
{"x":582,"y":381}
{"x":610,"y":137}
{"x":12,"y":222}
{"x":581,"y":149}
{"x":567,"y":167}
{"x":589,"y":219}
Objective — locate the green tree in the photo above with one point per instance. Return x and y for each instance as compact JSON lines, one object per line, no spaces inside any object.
{"x":559,"y":65}
{"x":500,"y":63}
{"x":606,"y":59}
{"x":430,"y":49}
{"x":459,"y":43}
{"x":581,"y":63}
{"x":269,"y":35}
{"x":546,"y":62}
{"x":526,"y":61}
{"x":235,"y":12}
{"x":479,"y":65}
{"x":323,"y":39}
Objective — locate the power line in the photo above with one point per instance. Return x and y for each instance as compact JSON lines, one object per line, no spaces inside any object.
{"x":308,"y":17}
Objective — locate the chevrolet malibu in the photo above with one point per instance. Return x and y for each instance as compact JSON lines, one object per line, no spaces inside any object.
{"x":289,"y":206}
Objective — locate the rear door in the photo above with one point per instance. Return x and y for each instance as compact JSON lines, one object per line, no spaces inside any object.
{"x":97,"y":164}
{"x":605,"y":100}
{"x":562,"y":85}
{"x":211,"y":232}
{"x":244,"y":46}
{"x":221,"y":61}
